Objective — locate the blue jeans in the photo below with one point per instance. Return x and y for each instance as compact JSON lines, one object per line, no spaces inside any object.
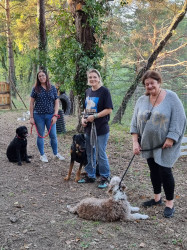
{"x":41,"y":121}
{"x":103,"y":164}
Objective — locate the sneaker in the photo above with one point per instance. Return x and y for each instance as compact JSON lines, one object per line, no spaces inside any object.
{"x":60,"y":157}
{"x":152,"y":202}
{"x":87,"y":180}
{"x":169,"y":212}
{"x":43,"y":158}
{"x":104,"y":182}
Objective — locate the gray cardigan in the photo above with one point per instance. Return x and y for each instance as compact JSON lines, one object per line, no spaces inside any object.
{"x":168,"y":120}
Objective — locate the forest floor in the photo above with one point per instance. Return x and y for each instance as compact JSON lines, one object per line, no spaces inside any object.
{"x":34,"y":199}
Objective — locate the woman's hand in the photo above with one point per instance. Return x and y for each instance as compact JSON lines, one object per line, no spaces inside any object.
{"x":54,"y":120}
{"x":32,"y":121}
{"x":136,"y":148}
{"x":168,"y":143}
{"x":90,"y":118}
{"x":84,"y":122}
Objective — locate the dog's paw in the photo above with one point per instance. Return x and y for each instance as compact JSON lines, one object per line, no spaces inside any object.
{"x":28,"y":161}
{"x":144,"y":216}
{"x":29,"y":156}
{"x":134,"y":209}
{"x":71,"y":209}
{"x":19,"y":163}
{"x":77,"y":179}
{"x":67,"y":178}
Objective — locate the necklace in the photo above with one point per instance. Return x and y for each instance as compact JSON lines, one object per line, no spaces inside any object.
{"x":150,"y":112}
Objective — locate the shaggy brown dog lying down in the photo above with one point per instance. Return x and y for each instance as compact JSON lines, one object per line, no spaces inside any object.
{"x":112,"y":209}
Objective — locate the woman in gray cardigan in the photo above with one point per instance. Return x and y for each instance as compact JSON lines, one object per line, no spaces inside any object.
{"x":158,"y":124}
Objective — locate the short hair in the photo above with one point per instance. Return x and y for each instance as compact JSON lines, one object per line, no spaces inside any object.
{"x":94,"y":71}
{"x":151,"y":74}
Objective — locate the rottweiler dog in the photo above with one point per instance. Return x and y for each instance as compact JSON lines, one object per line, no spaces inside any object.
{"x":17,"y":149}
{"x":78,"y":154}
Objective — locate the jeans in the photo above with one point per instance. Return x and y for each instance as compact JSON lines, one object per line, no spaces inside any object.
{"x":42,"y":120}
{"x":161,"y":176}
{"x":103,"y":164}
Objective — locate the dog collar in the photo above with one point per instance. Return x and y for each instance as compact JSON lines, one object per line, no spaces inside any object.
{"x":20,"y":137}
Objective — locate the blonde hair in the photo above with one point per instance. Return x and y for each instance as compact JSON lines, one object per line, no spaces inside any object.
{"x":94,"y":71}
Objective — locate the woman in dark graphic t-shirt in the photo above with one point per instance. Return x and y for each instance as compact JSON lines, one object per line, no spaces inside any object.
{"x":98,"y":104}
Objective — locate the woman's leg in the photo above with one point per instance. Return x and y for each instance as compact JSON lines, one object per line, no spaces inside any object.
{"x":40,"y":124}
{"x":104,"y":168}
{"x":52,"y":134}
{"x":91,"y":170}
{"x":155,"y":178}
{"x":168,"y":185}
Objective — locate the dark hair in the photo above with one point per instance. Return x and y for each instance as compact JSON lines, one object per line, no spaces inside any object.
{"x":151,"y":74}
{"x":38,"y":83}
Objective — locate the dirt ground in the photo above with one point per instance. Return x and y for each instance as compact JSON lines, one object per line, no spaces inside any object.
{"x":34,"y":197}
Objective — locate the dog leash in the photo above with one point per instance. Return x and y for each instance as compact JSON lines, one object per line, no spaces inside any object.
{"x":142,"y":150}
{"x":93,"y":142}
{"x":58,"y":116}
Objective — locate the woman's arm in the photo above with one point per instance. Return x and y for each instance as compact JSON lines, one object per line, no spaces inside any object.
{"x":136,"y":145}
{"x":31,"y":107}
{"x":103,"y":113}
{"x":54,"y":119}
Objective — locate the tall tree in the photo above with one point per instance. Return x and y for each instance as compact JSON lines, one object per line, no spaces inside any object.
{"x":168,"y":34}
{"x":11,"y":70}
{"x":42,"y":34}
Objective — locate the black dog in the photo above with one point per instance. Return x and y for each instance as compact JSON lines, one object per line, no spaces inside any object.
{"x":17,"y":149}
{"x":78,"y":154}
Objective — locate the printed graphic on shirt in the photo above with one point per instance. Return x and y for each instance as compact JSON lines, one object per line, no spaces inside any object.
{"x":157,"y":119}
{"x":91,"y":104}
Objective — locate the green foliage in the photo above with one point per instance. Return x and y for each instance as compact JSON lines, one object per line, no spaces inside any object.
{"x":69,"y":61}
{"x":3,"y":52}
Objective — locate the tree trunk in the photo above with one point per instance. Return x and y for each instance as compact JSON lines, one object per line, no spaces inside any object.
{"x":72,"y":100}
{"x":118,"y":116}
{"x":11,"y":70}
{"x":42,"y":35}
{"x":85,"y":36}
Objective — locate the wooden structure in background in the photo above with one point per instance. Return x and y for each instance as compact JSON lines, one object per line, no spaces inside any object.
{"x":5,"y":96}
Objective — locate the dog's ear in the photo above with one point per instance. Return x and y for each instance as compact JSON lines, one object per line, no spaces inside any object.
{"x":123,"y":187}
{"x":17,"y":130}
{"x":110,"y":188}
{"x":82,"y":136}
{"x":74,"y":137}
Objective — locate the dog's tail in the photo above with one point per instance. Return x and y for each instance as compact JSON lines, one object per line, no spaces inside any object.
{"x":71,"y":209}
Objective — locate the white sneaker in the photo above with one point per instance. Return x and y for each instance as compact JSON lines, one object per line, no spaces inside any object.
{"x":43,"y":158}
{"x":60,"y":157}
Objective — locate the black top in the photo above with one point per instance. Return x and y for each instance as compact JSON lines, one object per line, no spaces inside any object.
{"x":96,"y":101}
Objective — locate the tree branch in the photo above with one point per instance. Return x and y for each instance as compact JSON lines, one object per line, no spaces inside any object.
{"x":118,"y":116}
{"x":184,"y":63}
{"x":2,"y":6}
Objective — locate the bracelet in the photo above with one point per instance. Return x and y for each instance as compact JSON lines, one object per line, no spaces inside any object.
{"x":55,"y":115}
{"x":95,"y":116}
{"x":31,"y":117}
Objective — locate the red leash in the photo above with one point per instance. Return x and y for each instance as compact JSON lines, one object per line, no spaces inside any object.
{"x":58,"y":116}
